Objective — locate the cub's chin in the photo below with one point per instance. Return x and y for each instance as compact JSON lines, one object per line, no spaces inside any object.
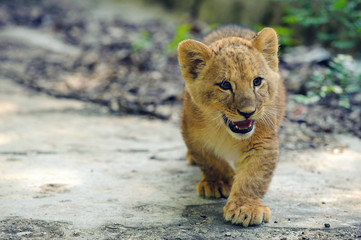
{"x":239,"y":129}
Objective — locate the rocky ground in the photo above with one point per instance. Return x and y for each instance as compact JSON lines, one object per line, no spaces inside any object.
{"x":89,"y":170}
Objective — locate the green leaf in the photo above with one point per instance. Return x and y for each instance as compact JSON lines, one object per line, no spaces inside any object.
{"x":325,"y":36}
{"x":284,"y":31}
{"x":144,"y":41}
{"x":339,"y":4}
{"x":352,"y":88}
{"x":343,"y":44}
{"x":330,"y":89}
{"x":258,"y":27}
{"x":311,"y":98}
{"x":344,"y":101}
{"x":182,"y":32}
{"x":291,"y":19}
{"x":286,"y":41}
{"x":214,"y":26}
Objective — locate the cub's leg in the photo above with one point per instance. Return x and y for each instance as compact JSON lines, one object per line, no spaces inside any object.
{"x":244,"y":205}
{"x":217,"y":175}
{"x":190,"y":158}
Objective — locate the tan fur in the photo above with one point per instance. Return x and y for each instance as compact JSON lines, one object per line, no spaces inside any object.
{"x":234,"y":165}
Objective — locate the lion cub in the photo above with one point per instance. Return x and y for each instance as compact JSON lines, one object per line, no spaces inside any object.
{"x":234,"y":103}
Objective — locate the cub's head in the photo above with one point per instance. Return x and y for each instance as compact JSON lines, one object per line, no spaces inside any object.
{"x":233,"y":80}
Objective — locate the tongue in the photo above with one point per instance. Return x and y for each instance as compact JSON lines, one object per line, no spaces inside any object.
{"x":243,"y":124}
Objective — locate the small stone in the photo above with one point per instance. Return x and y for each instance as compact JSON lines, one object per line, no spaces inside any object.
{"x":327,"y":225}
{"x":323,"y":202}
{"x":23,"y":233}
{"x":306,"y":55}
{"x":355,"y":114}
{"x":275,"y":222}
{"x":227,"y":234}
{"x":357,"y":98}
{"x":337,"y":151}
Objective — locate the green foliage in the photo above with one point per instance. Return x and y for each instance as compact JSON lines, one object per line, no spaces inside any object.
{"x":182,"y":32}
{"x":337,"y":23}
{"x":284,"y":34}
{"x":340,"y":80}
{"x":145,"y":41}
{"x":213,"y":26}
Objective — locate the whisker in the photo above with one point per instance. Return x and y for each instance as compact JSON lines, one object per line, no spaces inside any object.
{"x":276,"y":105}
{"x":216,"y":117}
{"x":270,"y":116}
{"x":219,"y":125}
{"x":265,"y":120}
{"x":274,"y":114}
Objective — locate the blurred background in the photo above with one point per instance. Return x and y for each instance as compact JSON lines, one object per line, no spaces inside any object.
{"x":334,"y":24}
{"x":122,"y":54}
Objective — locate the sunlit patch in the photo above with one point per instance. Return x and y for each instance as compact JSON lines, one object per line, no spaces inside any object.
{"x":5,"y":139}
{"x":354,"y":195}
{"x":45,"y":180}
{"x":328,"y":161}
{"x":341,"y":195}
{"x":7,"y":107}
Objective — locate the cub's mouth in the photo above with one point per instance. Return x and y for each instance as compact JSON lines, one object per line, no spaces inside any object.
{"x":241,"y":127}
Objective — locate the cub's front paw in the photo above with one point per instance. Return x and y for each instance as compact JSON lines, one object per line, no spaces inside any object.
{"x":246,"y":214}
{"x":214,"y":189}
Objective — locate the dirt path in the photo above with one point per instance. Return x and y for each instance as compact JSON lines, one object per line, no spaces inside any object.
{"x":69,"y":169}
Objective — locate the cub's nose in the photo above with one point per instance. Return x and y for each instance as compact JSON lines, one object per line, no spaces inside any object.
{"x":246,"y":114}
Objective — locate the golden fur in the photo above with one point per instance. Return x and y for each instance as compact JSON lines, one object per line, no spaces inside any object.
{"x":222,"y":93}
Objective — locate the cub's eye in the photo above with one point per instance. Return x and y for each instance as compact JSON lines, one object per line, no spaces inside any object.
{"x":257,"y":81}
{"x":225,"y":85}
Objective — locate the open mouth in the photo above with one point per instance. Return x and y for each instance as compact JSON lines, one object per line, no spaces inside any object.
{"x":242,"y":127}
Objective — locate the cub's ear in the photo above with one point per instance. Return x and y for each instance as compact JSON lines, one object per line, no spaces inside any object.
{"x":192,"y":57}
{"x":266,"y":41}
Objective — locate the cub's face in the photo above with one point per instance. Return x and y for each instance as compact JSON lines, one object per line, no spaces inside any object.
{"x":233,"y":80}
